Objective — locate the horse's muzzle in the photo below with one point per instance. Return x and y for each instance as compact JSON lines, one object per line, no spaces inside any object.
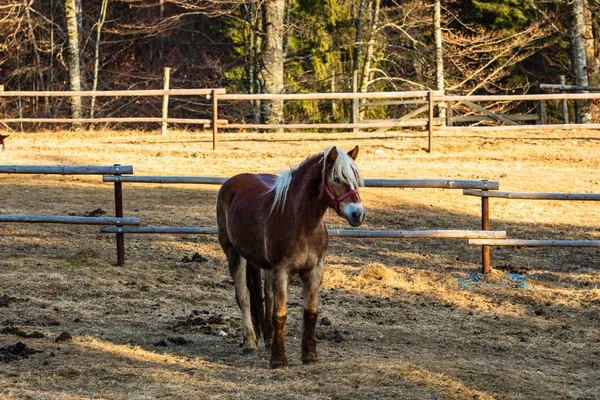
{"x":355,"y":214}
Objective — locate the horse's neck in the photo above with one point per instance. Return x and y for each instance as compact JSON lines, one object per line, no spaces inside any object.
{"x":307,"y":210}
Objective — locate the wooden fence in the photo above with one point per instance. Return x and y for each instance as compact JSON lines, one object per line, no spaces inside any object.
{"x":430,"y":98}
{"x":118,"y":175}
{"x":114,"y":174}
{"x":355,"y":233}
{"x":118,"y":219}
{"x":485,"y":195}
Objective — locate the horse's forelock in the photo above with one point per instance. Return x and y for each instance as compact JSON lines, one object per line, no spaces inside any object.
{"x":345,"y":168}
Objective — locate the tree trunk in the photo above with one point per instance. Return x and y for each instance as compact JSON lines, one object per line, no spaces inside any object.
{"x":592,"y":36}
{"x":73,"y":58}
{"x":439,"y":57}
{"x":359,"y":27}
{"x":594,"y":48}
{"x":366,"y":74}
{"x":81,"y":35}
{"x":578,"y":58}
{"x":272,"y":58}
{"x":101,"y":19}
{"x":161,"y":48}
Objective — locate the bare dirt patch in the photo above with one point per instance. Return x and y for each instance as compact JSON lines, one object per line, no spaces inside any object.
{"x":398,"y":318}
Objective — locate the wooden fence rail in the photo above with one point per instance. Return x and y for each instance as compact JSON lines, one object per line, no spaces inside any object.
{"x":535,"y":243}
{"x":534,"y":196}
{"x":66,"y":170}
{"x":354,"y":233}
{"x":68,"y":219}
{"x":382,"y":182}
{"x":113,"y":93}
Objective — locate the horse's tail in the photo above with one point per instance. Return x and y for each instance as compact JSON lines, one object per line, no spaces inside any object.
{"x":257,"y":310}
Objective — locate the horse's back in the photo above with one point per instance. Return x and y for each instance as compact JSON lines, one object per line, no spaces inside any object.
{"x":252,"y":188}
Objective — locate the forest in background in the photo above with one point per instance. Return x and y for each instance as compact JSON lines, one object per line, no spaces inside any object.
{"x":289,"y":46}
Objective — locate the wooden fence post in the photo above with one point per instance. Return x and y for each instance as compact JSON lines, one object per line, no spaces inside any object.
{"x":543,"y":113}
{"x":449,"y":113}
{"x":215,"y":103}
{"x":485,"y":225}
{"x":165,"y":104}
{"x":430,"y":120}
{"x":119,"y":214}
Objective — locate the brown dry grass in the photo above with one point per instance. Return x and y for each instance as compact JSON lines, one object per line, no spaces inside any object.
{"x":409,"y":329}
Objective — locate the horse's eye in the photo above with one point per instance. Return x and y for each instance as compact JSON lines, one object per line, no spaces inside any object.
{"x":336,"y":180}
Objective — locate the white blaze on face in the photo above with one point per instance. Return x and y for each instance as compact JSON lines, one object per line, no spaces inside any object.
{"x":355,"y":213}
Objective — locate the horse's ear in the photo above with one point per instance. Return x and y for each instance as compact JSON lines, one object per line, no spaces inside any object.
{"x":354,"y":152}
{"x":332,"y":155}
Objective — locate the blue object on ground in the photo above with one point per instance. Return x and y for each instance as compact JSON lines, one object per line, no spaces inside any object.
{"x":508,"y":280}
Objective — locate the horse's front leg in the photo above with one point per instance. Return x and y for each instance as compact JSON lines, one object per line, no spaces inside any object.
{"x":280,"y":284}
{"x":311,"y":281}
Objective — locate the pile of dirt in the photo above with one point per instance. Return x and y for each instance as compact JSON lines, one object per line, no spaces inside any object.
{"x":95,"y":213}
{"x":5,"y":300}
{"x":196,"y":258}
{"x":13,"y":330}
{"x":207,"y":323}
{"x":17,"y":351}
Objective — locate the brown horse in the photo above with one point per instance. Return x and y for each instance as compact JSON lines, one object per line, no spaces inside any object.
{"x":276,"y":223}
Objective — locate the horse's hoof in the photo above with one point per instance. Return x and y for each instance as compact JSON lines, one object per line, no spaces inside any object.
{"x":279,"y":363}
{"x":250,"y":353}
{"x":310,"y":362}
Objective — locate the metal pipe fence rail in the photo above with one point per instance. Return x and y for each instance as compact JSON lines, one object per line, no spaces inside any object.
{"x":487,"y":242}
{"x":118,"y":220}
{"x":484,"y":233}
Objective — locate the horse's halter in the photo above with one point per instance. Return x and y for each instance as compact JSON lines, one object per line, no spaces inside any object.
{"x":336,"y":200}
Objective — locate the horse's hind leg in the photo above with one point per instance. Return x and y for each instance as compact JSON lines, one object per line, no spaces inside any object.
{"x":237,"y":269}
{"x":280,"y":284}
{"x":311,"y":281}
{"x":268,"y":329}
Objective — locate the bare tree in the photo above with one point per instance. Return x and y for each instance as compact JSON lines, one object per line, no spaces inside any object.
{"x":272,"y":59}
{"x":578,"y":57}
{"x":99,"y":25}
{"x":592,"y":46}
{"x":439,"y":55}
{"x":73,"y":56}
{"x":356,"y":56}
{"x":370,"y":53}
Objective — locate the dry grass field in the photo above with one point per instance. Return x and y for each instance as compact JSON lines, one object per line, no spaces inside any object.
{"x":398,"y":318}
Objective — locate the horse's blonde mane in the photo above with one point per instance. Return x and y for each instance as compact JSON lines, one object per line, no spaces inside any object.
{"x":344,"y":168}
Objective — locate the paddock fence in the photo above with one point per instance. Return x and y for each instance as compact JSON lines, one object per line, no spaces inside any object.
{"x":486,"y":195}
{"x":120,"y":225}
{"x":115,"y":170}
{"x":354,"y":233}
{"x":423,"y":116}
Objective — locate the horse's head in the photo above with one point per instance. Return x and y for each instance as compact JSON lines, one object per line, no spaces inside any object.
{"x":339,"y":185}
